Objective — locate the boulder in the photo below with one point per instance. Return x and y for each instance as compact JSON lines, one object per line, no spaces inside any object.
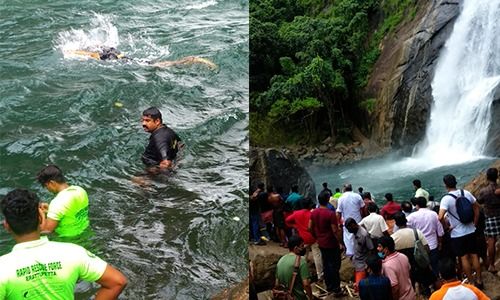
{"x":401,"y":78}
{"x":493,"y":144}
{"x":280,"y":169}
{"x":478,"y":182}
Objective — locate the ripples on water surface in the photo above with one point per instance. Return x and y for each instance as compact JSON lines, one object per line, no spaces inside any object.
{"x":179,"y":238}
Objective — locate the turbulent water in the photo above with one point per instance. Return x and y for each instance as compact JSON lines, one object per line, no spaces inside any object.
{"x":467,"y":73}
{"x":180,"y":237}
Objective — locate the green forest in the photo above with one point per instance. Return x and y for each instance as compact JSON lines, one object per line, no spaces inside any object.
{"x":309,"y":63}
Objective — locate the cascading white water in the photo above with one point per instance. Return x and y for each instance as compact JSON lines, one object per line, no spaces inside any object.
{"x":467,"y":72}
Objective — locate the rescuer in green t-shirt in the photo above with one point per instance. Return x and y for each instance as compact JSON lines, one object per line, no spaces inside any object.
{"x":68,"y":212}
{"x":38,"y":269}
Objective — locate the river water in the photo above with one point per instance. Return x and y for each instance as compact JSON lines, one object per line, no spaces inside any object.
{"x":467,"y":74}
{"x":179,"y":237}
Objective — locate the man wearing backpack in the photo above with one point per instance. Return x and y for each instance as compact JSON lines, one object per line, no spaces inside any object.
{"x":463,"y":213}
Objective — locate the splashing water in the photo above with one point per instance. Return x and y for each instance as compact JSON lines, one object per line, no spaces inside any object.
{"x":103,"y":33}
{"x":467,"y":74}
{"x":202,"y":5}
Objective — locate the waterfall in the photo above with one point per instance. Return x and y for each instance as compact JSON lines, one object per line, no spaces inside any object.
{"x":467,"y":73}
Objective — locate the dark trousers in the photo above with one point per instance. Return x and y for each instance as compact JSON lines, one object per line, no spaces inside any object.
{"x":434,"y":256}
{"x":255,"y":227}
{"x":331,"y":267}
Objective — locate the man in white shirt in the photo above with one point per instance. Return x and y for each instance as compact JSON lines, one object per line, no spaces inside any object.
{"x":374,"y":224}
{"x":349,"y":206}
{"x":427,"y":222}
{"x":463,"y":239}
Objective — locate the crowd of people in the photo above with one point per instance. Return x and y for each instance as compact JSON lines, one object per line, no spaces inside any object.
{"x":399,"y":250}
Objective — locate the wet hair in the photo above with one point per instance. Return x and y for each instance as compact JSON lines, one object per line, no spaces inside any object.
{"x":406,"y":206}
{"x":325,"y":185}
{"x":450,"y":181}
{"x":109,"y":53}
{"x":417,"y":183}
{"x":50,"y":172}
{"x":20,"y":208}
{"x":387,"y":242}
{"x":492,"y":174}
{"x":372,"y":207}
{"x":294,"y":241}
{"x":367,"y":195}
{"x":421,"y":202}
{"x":374,"y":263}
{"x":348,"y":187}
{"x":400,"y":219}
{"x":152,"y":112}
{"x":388,"y":197}
{"x":295,"y":188}
{"x":323,"y":198}
{"x":447,"y":268}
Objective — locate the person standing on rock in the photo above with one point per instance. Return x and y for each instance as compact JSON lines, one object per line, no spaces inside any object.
{"x":491,"y":205}
{"x":254,"y":211}
{"x":299,"y":220}
{"x":388,"y":211}
{"x":362,"y":247}
{"x":286,"y":267}
{"x":293,"y":200}
{"x":350,"y":206}
{"x":419,"y":191}
{"x":326,"y":189}
{"x":325,"y":228}
{"x":463,"y":238}
{"x":278,"y":205}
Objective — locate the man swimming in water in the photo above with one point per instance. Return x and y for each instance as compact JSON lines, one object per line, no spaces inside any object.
{"x":163,"y":145}
{"x":110,"y":53}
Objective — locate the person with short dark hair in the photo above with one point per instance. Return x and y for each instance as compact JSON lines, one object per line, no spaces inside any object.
{"x":427,"y":222}
{"x":278,"y":214}
{"x":491,"y":205}
{"x":299,"y":220}
{"x":397,"y":268}
{"x":374,"y":224}
{"x":362,"y":247}
{"x":39,"y":269}
{"x":326,"y":189}
{"x":376,"y":286}
{"x":453,"y":288}
{"x":463,"y":238}
{"x":324,"y":227}
{"x":164,"y":143}
{"x":419,"y":191}
{"x":388,"y":211}
{"x":285,"y":269}
{"x":407,"y":208}
{"x":256,"y":199}
{"x":68,"y":212}
{"x":293,"y":200}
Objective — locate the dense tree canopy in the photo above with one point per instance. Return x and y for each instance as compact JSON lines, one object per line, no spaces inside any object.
{"x":308,"y":62}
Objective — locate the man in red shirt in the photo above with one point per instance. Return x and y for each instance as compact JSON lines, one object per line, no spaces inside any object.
{"x":388,"y":211}
{"x":324,"y":227}
{"x":299,"y":220}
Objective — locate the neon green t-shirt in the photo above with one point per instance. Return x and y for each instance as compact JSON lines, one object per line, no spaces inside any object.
{"x":71,"y":208}
{"x":42,"y":269}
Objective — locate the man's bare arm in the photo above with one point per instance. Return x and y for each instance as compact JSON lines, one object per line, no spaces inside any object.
{"x":112,"y":284}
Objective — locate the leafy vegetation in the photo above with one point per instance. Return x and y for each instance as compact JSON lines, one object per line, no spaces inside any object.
{"x":308,"y":61}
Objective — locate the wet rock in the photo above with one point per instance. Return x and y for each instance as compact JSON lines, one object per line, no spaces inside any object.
{"x":275,"y":167}
{"x":323,"y":148}
{"x":401,"y":78}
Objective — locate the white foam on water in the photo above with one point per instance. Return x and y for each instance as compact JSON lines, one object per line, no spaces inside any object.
{"x":202,"y":5}
{"x":101,"y":32}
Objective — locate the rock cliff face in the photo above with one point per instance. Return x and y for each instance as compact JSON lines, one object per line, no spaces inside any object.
{"x":279,"y":169}
{"x":493,"y":145}
{"x":401,"y":79}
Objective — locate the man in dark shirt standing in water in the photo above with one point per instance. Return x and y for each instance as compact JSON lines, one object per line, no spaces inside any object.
{"x":163,"y":142}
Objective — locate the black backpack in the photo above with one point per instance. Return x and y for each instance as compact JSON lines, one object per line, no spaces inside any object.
{"x":464,"y":208}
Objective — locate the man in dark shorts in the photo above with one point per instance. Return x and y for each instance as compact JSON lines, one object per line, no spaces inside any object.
{"x":491,"y":205}
{"x":463,"y":238}
{"x":164,"y":143}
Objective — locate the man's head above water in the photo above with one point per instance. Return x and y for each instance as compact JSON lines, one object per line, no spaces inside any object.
{"x":151,"y":119}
